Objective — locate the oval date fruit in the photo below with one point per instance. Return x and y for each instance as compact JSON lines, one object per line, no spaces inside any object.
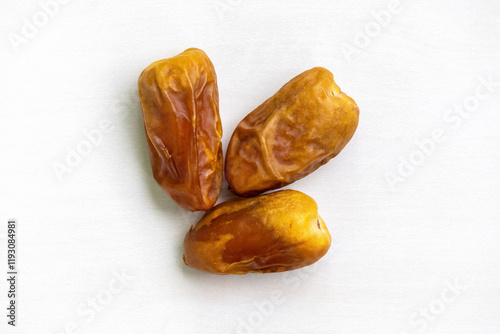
{"x":304,"y":125}
{"x":180,"y":105}
{"x":268,"y":233}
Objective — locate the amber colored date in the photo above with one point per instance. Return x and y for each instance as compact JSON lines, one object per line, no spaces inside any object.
{"x":180,"y":105}
{"x":268,"y":233}
{"x":304,"y":125}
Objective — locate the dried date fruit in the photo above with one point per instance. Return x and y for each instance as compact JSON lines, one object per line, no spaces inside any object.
{"x":304,"y":125}
{"x":268,"y":233}
{"x":180,"y":105}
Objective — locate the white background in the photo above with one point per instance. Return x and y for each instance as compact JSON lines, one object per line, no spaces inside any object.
{"x":395,"y":248}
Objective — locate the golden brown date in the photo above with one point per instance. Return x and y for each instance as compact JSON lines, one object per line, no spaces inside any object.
{"x":304,"y":125}
{"x":180,"y":105}
{"x":268,"y":233}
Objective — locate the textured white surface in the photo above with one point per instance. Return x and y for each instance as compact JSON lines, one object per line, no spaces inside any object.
{"x":394,"y":250}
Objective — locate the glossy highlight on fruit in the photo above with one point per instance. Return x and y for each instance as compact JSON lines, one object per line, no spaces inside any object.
{"x":268,"y":233}
{"x":300,"y":128}
{"x":180,"y":105}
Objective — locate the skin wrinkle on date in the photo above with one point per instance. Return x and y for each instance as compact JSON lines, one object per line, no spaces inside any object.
{"x":300,"y":128}
{"x":268,"y":233}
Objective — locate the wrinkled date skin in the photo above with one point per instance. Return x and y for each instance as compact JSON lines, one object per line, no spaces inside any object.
{"x":304,"y":125}
{"x":268,"y":233}
{"x":180,"y":105}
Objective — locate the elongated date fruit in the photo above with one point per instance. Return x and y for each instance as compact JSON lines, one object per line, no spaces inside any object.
{"x":304,"y":125}
{"x":268,"y":233}
{"x":180,"y":105}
